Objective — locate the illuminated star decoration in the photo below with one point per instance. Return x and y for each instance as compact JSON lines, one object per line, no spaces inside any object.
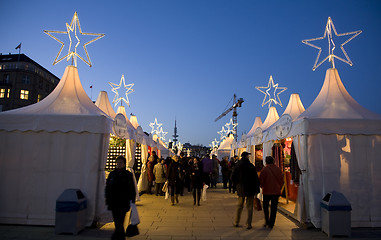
{"x":188,"y":152}
{"x":115,"y":88}
{"x":214,"y":144}
{"x":180,"y":146}
{"x":331,"y":45}
{"x":161,"y":134}
{"x":73,"y":54}
{"x":275,"y":99}
{"x":155,"y":126}
{"x":222,"y":133}
{"x":233,"y":130}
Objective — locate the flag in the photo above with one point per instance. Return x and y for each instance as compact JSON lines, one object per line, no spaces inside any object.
{"x":19,"y":46}
{"x":91,"y":86}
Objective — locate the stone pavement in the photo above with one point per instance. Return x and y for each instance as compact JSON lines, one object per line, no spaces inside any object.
{"x":212,"y":220}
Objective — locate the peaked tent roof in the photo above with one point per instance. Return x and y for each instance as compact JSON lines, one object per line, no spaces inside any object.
{"x":257,"y":123}
{"x":104,"y":104}
{"x":130,"y":129}
{"x":227,"y":143}
{"x":272,"y":117}
{"x":134,"y":121}
{"x":294,"y":107}
{"x":335,"y":111}
{"x":67,"y":109}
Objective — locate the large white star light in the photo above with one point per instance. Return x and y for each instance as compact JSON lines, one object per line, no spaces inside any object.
{"x":161,"y":134}
{"x":72,"y":28}
{"x":222,"y":133}
{"x":214,"y":144}
{"x":233,"y":129}
{"x":331,"y":45}
{"x":155,"y":126}
{"x":271,"y":93}
{"x":115,"y":88}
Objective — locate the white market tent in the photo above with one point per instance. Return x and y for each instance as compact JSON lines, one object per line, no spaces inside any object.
{"x":56,"y":144}
{"x":103,"y":103}
{"x":338,"y":147}
{"x":226,"y":147}
{"x":250,"y":146}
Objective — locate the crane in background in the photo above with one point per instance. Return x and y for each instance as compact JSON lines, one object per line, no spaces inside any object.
{"x":236,"y":103}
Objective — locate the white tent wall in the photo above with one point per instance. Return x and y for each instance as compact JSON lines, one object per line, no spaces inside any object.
{"x":344,"y":163}
{"x":31,"y":180}
{"x":338,"y":147}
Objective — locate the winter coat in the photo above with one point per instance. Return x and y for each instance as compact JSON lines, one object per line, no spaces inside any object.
{"x":207,"y":165}
{"x":173,"y":174}
{"x":160,"y":173}
{"x":225,"y":170}
{"x":196,"y":174}
{"x":271,"y":179}
{"x":150,"y":176}
{"x":245,"y":178}
{"x":120,"y":190}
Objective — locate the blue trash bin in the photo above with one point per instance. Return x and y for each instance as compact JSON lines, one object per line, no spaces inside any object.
{"x":335,"y":215}
{"x":71,"y":212}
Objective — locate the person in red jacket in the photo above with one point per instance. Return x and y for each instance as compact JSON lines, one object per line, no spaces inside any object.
{"x":271,"y":179}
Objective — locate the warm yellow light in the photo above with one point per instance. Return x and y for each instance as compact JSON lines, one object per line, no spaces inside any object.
{"x":271,"y":99}
{"x":73,"y":54}
{"x":331,"y":45}
{"x":115,"y":88}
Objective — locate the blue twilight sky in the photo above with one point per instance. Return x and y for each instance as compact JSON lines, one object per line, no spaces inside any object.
{"x":188,"y":57}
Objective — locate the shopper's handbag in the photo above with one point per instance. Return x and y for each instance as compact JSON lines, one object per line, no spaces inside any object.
{"x":257,"y":204}
{"x":132,"y":228}
{"x":165,"y":186}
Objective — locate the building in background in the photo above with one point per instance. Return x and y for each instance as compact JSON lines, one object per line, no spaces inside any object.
{"x":23,"y":81}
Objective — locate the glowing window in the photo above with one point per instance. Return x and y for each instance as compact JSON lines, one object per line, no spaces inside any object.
{"x":2,"y":93}
{"x":39,"y":97}
{"x":24,"y":94}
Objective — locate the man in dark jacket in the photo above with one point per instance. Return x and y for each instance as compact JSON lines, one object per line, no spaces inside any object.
{"x":120,"y":190}
{"x":246,"y":179}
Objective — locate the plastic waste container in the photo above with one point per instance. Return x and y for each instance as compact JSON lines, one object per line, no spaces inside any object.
{"x":71,"y":209}
{"x":335,"y":215}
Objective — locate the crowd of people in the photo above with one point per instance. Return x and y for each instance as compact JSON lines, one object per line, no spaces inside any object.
{"x":192,"y":174}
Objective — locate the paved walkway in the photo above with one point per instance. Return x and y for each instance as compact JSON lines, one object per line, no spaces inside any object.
{"x":212,"y":220}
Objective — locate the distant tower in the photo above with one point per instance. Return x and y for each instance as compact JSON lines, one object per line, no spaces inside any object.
{"x":175,"y":134}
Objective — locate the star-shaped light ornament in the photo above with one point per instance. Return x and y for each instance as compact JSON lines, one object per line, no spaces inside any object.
{"x":161,"y":134}
{"x":115,"y":88}
{"x":72,"y":54}
{"x":155,"y":126}
{"x":180,"y":146}
{"x":271,"y":94}
{"x":233,"y":129}
{"x":223,"y":133}
{"x":214,"y":144}
{"x":328,"y":33}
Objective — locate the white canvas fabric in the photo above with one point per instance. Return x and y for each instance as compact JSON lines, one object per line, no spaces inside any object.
{"x":103,"y":103}
{"x":337,"y":143}
{"x":56,"y":144}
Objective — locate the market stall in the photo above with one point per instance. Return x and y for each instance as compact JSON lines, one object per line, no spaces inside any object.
{"x":58,"y":143}
{"x":338,"y":146}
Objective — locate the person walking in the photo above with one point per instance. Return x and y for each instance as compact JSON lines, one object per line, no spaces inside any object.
{"x":207,"y":167}
{"x":196,"y":174}
{"x":215,"y":171}
{"x":184,"y":172}
{"x":225,"y":171}
{"x":271,"y":179}
{"x":150,"y":175}
{"x":160,"y":176}
{"x":246,"y":180}
{"x":174,"y":181}
{"x":233,"y":161}
{"x":119,"y":192}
